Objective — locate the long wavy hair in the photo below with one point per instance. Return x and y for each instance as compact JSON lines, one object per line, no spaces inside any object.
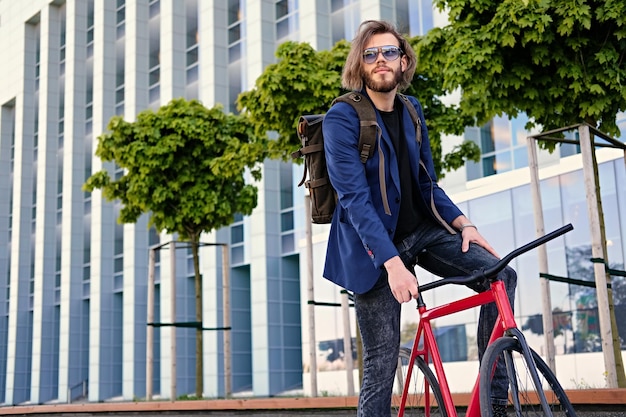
{"x":351,"y":78}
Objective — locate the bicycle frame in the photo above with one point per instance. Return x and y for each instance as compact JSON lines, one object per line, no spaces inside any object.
{"x":430,"y":349}
{"x":505,"y":322}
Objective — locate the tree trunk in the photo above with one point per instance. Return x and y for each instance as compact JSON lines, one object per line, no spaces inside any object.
{"x":198,"y":293}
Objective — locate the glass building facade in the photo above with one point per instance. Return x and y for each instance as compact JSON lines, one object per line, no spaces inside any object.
{"x":73,"y":282}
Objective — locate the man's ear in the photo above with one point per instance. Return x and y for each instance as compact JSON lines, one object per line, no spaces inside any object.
{"x":403,"y":63}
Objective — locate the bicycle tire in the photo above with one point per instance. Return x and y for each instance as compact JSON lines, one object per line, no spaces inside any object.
{"x":417,"y":397}
{"x":519,"y":376}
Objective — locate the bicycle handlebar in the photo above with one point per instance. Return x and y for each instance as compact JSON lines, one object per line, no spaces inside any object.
{"x":493,"y":270}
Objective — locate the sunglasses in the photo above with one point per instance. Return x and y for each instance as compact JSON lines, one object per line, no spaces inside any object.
{"x":390,"y":53}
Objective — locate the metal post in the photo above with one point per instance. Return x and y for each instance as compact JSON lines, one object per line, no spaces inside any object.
{"x":597,"y":251}
{"x":173,"y":317}
{"x":310,"y":295}
{"x":226,"y":315}
{"x":542,"y":254}
{"x":150,"y":328}
{"x":347,"y":341}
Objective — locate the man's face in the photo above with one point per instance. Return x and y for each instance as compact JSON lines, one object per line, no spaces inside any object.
{"x":383,"y":75}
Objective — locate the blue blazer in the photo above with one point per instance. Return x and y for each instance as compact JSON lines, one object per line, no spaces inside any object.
{"x":364,"y":222}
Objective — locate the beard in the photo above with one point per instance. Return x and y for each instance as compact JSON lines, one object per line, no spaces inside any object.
{"x":382,"y":86}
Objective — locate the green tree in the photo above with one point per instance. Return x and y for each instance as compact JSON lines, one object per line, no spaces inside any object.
{"x":428,"y":87}
{"x":185,"y":165}
{"x":559,"y":61}
{"x":305,"y":81}
{"x":302,"y":81}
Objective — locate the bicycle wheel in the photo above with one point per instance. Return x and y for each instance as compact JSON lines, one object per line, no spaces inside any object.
{"x":523,"y":398}
{"x":424,"y":396}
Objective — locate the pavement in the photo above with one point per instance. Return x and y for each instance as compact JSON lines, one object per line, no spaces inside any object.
{"x":587,"y":403}
{"x":612,"y":411}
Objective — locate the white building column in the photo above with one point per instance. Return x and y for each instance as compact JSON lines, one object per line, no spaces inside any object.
{"x":265,"y":255}
{"x":7,"y":135}
{"x":213,"y":64}
{"x":315,"y":24}
{"x":213,"y":51}
{"x":173,"y":78}
{"x":378,"y":9}
{"x":46,"y":238}
{"x":173,"y":68}
{"x":103,"y":219}
{"x":72,"y":339}
{"x":135,"y":234}
{"x":260,"y":35}
{"x":19,"y":334}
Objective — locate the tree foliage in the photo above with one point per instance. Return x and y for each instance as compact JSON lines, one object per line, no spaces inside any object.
{"x":428,"y":86}
{"x":559,"y":61}
{"x":302,"y":81}
{"x":184,"y":164}
{"x":305,"y":81}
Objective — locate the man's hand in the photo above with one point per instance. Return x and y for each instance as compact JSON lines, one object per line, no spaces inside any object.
{"x":402,"y":282}
{"x":470,"y":234}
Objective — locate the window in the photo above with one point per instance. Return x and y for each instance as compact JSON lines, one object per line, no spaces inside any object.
{"x":345,"y":19}
{"x":286,"y":19}
{"x":288,"y":244}
{"x":503,"y":146}
{"x":154,"y":45}
{"x":120,"y":47}
{"x":237,"y":240}
{"x":235,"y":41}
{"x":191,"y":8}
{"x":419,"y":13}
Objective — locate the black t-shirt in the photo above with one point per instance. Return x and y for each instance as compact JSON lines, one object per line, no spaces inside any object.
{"x":411,"y":203}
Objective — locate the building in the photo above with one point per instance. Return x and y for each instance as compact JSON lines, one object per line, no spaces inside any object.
{"x":73,"y":282}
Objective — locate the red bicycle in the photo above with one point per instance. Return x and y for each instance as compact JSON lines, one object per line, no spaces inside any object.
{"x":533,"y":387}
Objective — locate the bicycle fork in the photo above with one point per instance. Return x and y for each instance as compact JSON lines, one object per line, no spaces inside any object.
{"x":515,"y":332}
{"x":507,"y":320}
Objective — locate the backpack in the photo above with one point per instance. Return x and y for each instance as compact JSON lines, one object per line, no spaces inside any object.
{"x":322,"y":194}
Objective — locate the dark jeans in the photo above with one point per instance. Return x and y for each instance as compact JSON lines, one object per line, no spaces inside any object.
{"x":378,"y":312}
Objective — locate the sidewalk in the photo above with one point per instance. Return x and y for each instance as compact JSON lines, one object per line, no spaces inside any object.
{"x":588,"y":403}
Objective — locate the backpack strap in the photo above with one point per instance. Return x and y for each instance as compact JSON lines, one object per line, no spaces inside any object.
{"x":369,"y":126}
{"x":369,"y":130}
{"x":417,"y":122}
